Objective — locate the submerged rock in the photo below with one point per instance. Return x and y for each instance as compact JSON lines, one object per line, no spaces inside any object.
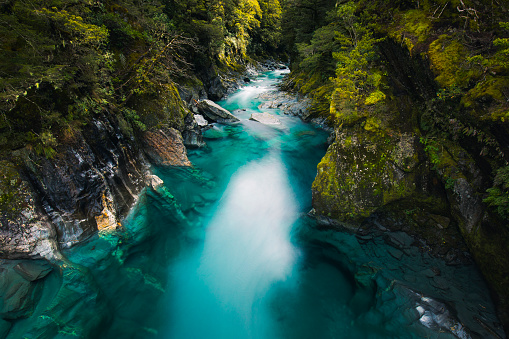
{"x":33,"y":270}
{"x":214,"y":112}
{"x":286,"y":102}
{"x":18,"y":282}
{"x":265,"y":118}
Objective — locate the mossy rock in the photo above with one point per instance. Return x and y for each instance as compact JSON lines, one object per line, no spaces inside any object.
{"x":487,"y":101}
{"x":364,"y":170}
{"x":411,"y":28}
{"x":489,"y":243}
{"x":164,"y":109}
{"x":486,"y":236}
{"x":447,"y":56}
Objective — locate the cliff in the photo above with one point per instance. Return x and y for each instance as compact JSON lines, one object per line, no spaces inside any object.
{"x":410,"y":163}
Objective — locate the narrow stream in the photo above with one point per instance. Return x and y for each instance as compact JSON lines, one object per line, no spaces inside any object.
{"x":229,"y":284}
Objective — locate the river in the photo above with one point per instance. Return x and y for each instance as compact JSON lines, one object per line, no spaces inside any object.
{"x":253,"y":265}
{"x":225,"y":249}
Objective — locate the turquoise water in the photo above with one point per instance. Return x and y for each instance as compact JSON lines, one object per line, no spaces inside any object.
{"x":225,"y":250}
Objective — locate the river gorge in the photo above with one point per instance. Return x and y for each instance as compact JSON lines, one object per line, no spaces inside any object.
{"x":227,"y":248}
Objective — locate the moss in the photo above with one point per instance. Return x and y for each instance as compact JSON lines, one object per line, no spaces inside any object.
{"x":372,"y":124}
{"x":358,"y":174}
{"x":487,"y":100}
{"x":411,"y":28}
{"x":375,"y":97}
{"x":345,"y":112}
{"x":447,"y":55}
{"x":165,"y":108}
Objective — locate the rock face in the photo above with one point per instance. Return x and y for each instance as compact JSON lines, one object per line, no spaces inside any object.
{"x":97,"y":173}
{"x":88,"y":186}
{"x":363,"y":171}
{"x":165,"y":147}
{"x":265,"y":118}
{"x":192,"y":133}
{"x":214,"y":112}
{"x":380,"y":163}
{"x":25,"y":231}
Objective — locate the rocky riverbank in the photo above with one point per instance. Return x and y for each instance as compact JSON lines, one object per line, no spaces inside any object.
{"x":52,"y":204}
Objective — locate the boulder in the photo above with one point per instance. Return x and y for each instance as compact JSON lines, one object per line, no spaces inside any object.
{"x":265,"y":118}
{"x":363,"y":171}
{"x":200,"y":120}
{"x":165,"y":147}
{"x":214,"y":112}
{"x":192,"y":130}
{"x":217,"y":89}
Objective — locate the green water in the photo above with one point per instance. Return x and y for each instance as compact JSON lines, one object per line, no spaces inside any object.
{"x":225,"y":250}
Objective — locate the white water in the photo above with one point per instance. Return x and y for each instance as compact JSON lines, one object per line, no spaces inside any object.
{"x":247,"y":250}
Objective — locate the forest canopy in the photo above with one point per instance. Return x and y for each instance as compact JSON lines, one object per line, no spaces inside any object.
{"x":63,"y":61}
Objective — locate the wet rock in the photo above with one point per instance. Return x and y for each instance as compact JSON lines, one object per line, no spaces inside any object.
{"x":154,"y":181}
{"x":288,"y":103}
{"x":247,"y":80}
{"x":200,"y":120}
{"x":436,"y":315}
{"x":165,"y":147}
{"x":19,"y":295}
{"x":440,"y":283}
{"x":265,"y":118}
{"x":192,"y":134}
{"x":214,"y":112}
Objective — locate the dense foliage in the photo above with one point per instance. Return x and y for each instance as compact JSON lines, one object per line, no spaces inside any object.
{"x":61,"y":62}
{"x":338,"y":60}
